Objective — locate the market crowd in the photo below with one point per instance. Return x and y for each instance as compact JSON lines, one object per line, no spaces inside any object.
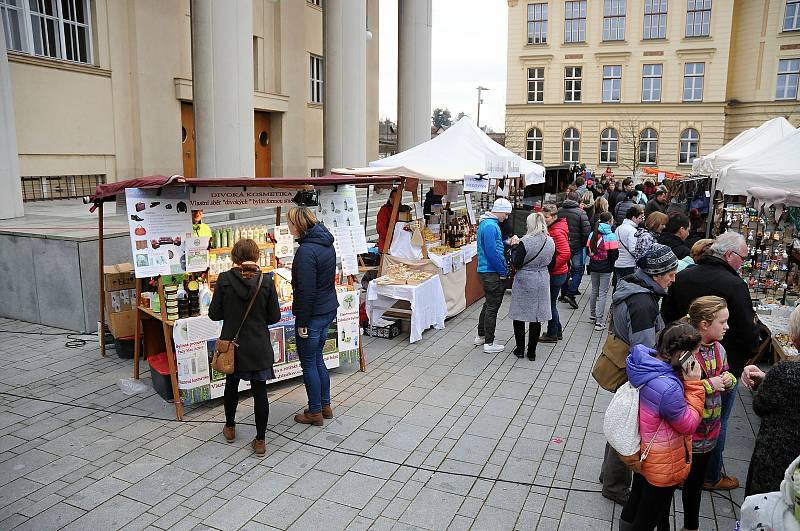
{"x":680,"y":328}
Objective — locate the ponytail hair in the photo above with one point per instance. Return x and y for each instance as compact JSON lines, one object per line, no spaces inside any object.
{"x":604,"y":217}
{"x":704,"y":309}
{"x":675,"y":339}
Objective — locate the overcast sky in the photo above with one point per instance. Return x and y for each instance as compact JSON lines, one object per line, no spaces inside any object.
{"x":468,"y":50}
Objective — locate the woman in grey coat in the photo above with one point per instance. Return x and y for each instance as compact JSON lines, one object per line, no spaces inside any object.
{"x":530,"y":294}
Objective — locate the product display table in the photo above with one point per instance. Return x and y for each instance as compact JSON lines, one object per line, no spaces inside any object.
{"x":428,"y":307}
{"x":778,"y":324}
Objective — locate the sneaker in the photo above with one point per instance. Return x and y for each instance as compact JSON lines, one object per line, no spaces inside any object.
{"x":493,"y":348}
{"x":599,"y":327}
{"x":724,"y":483}
{"x":479,"y":340}
{"x":548,"y":339}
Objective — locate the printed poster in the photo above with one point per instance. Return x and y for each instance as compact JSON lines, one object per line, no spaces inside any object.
{"x":197,"y":256}
{"x":347,"y":325}
{"x":338,"y":210}
{"x":159,"y":226}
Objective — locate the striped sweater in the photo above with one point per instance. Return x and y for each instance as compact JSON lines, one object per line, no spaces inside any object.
{"x":714,"y":362}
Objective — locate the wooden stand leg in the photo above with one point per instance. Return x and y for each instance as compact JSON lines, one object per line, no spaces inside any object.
{"x":137,"y":337}
{"x":101,"y":330}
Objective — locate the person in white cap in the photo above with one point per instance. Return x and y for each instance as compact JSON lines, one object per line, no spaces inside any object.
{"x":493,"y":270}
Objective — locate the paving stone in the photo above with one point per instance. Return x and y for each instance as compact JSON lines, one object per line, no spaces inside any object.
{"x":115,"y":513}
{"x":495,"y":518}
{"x":159,"y":485}
{"x":269,"y":487}
{"x":432,"y":509}
{"x":94,"y":495}
{"x":326,"y":515}
{"x":23,"y":464}
{"x":313,"y":484}
{"x":354,"y":490}
{"x":56,"y":517}
{"x":234,"y":514}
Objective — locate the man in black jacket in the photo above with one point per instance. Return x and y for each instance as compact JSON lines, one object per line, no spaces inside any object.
{"x":675,"y":233}
{"x":579,"y":229}
{"x":718,"y":274}
{"x":658,"y":203}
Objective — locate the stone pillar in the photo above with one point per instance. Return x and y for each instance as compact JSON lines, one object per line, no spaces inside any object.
{"x":345,"y":85}
{"x":10,"y":184}
{"x":414,"y":73}
{"x":222,"y":83}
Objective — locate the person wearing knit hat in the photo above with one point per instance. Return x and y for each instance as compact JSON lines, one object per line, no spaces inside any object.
{"x":492,"y":270}
{"x":657,"y":261}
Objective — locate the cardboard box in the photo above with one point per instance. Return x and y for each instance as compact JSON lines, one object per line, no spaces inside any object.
{"x":120,"y":301}
{"x":122,"y":324}
{"x":119,"y":276}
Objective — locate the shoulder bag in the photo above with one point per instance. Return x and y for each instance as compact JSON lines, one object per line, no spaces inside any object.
{"x":609,"y":368}
{"x":224,"y":359}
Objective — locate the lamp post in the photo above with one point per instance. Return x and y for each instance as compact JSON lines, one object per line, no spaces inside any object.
{"x":480,"y":88}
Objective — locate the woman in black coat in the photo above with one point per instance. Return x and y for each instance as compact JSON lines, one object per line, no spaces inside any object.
{"x":314,"y":307}
{"x":254,"y":356}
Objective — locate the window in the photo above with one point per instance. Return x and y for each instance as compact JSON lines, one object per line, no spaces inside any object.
{"x":698,"y":18}
{"x":316,"y":3}
{"x":690,"y":144}
{"x":534,"y":148}
{"x":791,"y":18}
{"x":317,"y":172}
{"x":572,"y":145}
{"x":651,"y":82}
{"x":575,"y":21}
{"x":609,"y":144}
{"x":572,"y":84}
{"x":612,"y":81}
{"x":788,"y":71}
{"x":537,"y":23}
{"x":693,"y":81}
{"x":49,"y":28}
{"x":536,"y":85}
{"x":614,"y":20}
{"x":317,"y":79}
{"x":655,"y":19}
{"x":648,"y":146}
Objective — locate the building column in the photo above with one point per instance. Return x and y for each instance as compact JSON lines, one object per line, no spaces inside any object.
{"x":345,"y":85}
{"x":222,"y":84}
{"x":10,"y":183}
{"x":414,"y":73}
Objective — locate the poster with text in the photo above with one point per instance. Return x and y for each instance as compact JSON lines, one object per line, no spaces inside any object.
{"x":214,"y":198}
{"x":347,"y":326}
{"x":338,"y":210}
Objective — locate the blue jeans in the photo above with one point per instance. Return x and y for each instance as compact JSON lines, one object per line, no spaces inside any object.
{"x":714,"y":470}
{"x":315,"y":373}
{"x":576,"y":268}
{"x":554,"y":324}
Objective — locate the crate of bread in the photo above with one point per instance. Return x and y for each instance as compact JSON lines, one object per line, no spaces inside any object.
{"x":400,"y":274}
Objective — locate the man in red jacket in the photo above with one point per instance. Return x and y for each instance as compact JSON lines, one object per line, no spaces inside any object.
{"x":384,"y":216}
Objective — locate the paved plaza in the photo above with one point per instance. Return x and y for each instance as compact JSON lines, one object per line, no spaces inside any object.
{"x":435,"y":435}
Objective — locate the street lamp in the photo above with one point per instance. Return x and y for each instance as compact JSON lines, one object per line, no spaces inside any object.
{"x":480,"y":88}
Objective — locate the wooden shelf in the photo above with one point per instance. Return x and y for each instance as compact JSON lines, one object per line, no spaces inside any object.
{"x":155,"y":315}
{"x":217,"y":250}
{"x":267,"y":269}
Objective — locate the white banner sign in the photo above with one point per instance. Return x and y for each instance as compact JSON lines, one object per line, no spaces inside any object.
{"x":210,"y":198}
{"x":475,"y":183}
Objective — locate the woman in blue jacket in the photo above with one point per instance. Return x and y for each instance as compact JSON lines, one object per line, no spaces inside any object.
{"x":314,"y":308}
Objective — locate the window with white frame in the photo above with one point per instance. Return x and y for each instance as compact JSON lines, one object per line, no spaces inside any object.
{"x":572,"y":145}
{"x":575,"y":21}
{"x":690,"y":146}
{"x":648,"y":146}
{"x":791,"y":17}
{"x":536,"y":85}
{"x":693,"y":74}
{"x":534,"y":141}
{"x":614,"y":20}
{"x":537,"y":23}
{"x":698,"y":18}
{"x":317,"y":69}
{"x":655,"y":19}
{"x":788,"y":73}
{"x":317,"y":3}
{"x":572,"y":84}
{"x":60,"y":29}
{"x":612,"y":83}
{"x":609,"y":145}
{"x":651,"y":82}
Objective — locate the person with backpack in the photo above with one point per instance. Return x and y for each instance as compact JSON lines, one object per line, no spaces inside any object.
{"x":649,"y":234}
{"x":578,"y":229}
{"x":710,"y":316}
{"x":603,"y":249}
{"x":621,"y":208}
{"x":670,"y":410}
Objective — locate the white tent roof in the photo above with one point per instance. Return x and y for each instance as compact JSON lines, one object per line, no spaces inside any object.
{"x":778,"y":166}
{"x":745,"y":144}
{"x":463,"y":149}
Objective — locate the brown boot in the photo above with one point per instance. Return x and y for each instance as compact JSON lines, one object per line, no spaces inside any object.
{"x":229,"y":433}
{"x":315,"y":419}
{"x":259,"y":447}
{"x":327,"y":412}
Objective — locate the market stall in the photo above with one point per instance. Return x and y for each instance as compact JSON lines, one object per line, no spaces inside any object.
{"x":175,"y":271}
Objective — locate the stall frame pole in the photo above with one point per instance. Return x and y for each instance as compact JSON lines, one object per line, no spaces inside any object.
{"x":101,"y":328}
{"x":387,"y":244}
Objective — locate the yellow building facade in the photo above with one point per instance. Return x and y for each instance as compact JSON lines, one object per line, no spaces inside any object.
{"x":103,"y":88}
{"x":633,"y":83}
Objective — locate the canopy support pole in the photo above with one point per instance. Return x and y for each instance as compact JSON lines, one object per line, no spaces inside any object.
{"x":387,"y":243}
{"x":101,"y":329}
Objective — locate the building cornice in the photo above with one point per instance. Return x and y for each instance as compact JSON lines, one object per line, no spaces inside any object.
{"x":699,"y":52}
{"x":617,"y":54}
{"x":512,"y":3}
{"x":536,"y":57}
{"x":58,"y":64}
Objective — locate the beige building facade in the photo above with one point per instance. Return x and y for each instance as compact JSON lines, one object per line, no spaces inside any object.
{"x":633,"y":83}
{"x":103,"y":88}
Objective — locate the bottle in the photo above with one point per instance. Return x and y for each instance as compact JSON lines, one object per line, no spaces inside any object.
{"x":237,"y":235}
{"x":205,"y":298}
{"x":217,"y":238}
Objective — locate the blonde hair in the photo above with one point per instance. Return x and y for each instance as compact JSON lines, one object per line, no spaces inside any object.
{"x":700,"y":248}
{"x":600,"y":205}
{"x":302,"y":218}
{"x":587,"y":198}
{"x":656,"y":220}
{"x":535,"y":224}
{"x":705,"y":309}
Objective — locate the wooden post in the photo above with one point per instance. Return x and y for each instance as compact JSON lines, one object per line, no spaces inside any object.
{"x":277,"y":215}
{"x":101,"y":330}
{"x":170,"y":350}
{"x":137,"y":337}
{"x":421,"y":222}
{"x":387,"y":243}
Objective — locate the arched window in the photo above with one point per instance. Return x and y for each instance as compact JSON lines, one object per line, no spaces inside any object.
{"x":690,"y":145}
{"x":572,"y":145}
{"x":648,"y":146}
{"x":609,"y":145}
{"x":533,"y":149}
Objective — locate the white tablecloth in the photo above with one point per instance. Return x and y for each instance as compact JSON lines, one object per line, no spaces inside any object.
{"x":428,"y":307}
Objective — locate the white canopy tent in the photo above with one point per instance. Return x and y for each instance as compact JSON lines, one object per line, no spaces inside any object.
{"x":747,"y":143}
{"x":463,"y":149}
{"x":776,"y":167}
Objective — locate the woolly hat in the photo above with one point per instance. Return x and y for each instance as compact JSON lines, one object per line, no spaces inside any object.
{"x":501,"y":206}
{"x":657,"y":260}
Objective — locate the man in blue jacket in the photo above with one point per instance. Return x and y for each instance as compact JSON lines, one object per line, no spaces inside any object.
{"x":493,"y":270}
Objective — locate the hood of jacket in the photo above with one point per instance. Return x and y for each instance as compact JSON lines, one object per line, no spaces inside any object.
{"x":569,"y":203}
{"x":643,"y":366}
{"x":244,"y":288}
{"x":488,"y":215}
{"x":318,"y":234}
{"x":636,"y":283}
{"x":604,"y":229}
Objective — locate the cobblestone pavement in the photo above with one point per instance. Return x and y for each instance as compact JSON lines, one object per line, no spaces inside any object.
{"x":436,"y":435}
